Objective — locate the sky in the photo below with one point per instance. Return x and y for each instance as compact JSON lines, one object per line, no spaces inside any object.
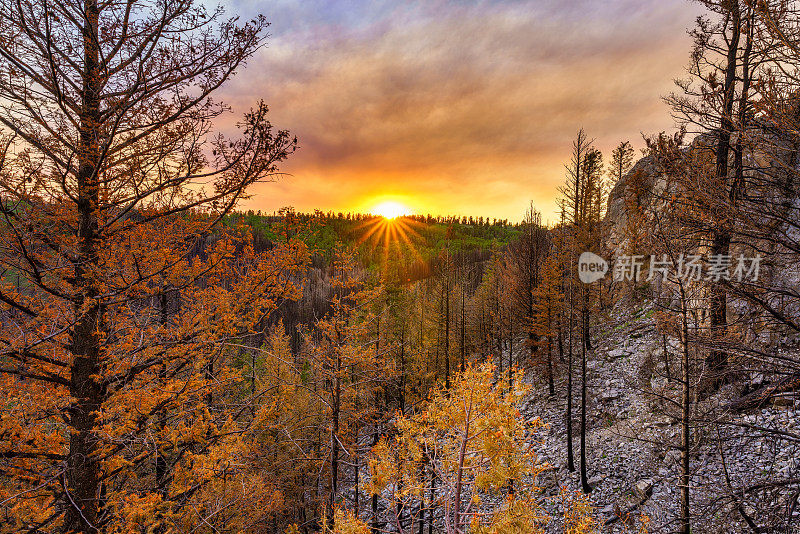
{"x":454,"y":107}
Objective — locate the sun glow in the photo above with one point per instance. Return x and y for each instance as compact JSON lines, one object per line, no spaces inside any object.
{"x":390,"y":210}
{"x":390,"y":232}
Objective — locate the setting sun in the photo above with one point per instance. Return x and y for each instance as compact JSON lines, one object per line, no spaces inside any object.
{"x":390,"y":209}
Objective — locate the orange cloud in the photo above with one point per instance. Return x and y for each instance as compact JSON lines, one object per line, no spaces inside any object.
{"x":462,"y":110}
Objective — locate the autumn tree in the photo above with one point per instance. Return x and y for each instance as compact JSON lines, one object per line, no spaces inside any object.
{"x":473,"y":439}
{"x":525,"y":257}
{"x":634,"y":185}
{"x":465,"y":275}
{"x":346,"y":369}
{"x":113,"y":182}
{"x":286,"y":417}
{"x":444,"y":274}
{"x":636,"y":228}
{"x":407,"y":329}
{"x":508,"y":321}
{"x":736,"y":183}
{"x":621,"y":161}
{"x":673,"y":242}
{"x":423,"y":314}
{"x":493,"y":304}
{"x":717,"y":98}
{"x":547,"y":314}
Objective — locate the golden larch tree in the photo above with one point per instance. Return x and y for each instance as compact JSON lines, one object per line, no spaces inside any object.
{"x":121,"y":296}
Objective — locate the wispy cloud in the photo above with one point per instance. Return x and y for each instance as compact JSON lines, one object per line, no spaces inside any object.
{"x":456,"y":107}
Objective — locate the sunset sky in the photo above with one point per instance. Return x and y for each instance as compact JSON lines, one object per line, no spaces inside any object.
{"x":455,"y":107}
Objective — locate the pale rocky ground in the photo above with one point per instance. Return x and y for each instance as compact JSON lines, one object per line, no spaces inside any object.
{"x":632,"y":466}
{"x":632,"y":458}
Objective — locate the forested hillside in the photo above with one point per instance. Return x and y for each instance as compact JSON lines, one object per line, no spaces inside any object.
{"x":414,"y":242}
{"x":172,"y":363}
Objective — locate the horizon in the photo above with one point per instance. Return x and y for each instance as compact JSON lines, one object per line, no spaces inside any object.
{"x":454,"y":108}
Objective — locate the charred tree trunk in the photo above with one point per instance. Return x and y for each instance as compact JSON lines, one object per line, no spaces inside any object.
{"x":403,"y":368}
{"x":375,"y":527}
{"x":82,"y":478}
{"x":550,"y":384}
{"x":685,"y":477}
{"x":161,"y":462}
{"x":570,"y":452}
{"x":356,"y":480}
{"x":584,"y":348}
{"x":336,"y":408}
{"x":717,"y":360}
{"x":432,"y":514}
{"x":510,"y":348}
{"x":447,"y":338}
{"x":462,"y":342}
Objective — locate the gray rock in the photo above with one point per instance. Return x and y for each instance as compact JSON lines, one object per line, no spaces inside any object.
{"x":616,"y":353}
{"x":548,"y":479}
{"x":644,"y":487}
{"x":673,"y":457}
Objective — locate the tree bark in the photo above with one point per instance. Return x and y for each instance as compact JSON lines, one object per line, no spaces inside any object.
{"x":82,"y":478}
{"x":447,"y":337}
{"x":584,"y":347}
{"x":717,"y":360}
{"x":550,"y":383}
{"x":570,"y":452}
{"x":335,"y":441}
{"x":685,"y":509}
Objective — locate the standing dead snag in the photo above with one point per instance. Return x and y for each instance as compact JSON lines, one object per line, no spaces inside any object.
{"x":583,"y":202}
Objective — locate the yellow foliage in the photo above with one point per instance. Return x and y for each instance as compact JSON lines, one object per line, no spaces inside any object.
{"x":346,"y":522}
{"x":578,"y":511}
{"x":473,"y":439}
